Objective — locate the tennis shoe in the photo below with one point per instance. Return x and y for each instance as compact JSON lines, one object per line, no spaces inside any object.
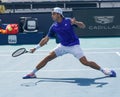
{"x":110,"y":73}
{"x":113,"y":73}
{"x":29,"y":76}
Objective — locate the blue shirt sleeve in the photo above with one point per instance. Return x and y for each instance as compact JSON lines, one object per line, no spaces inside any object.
{"x":70,"y":20}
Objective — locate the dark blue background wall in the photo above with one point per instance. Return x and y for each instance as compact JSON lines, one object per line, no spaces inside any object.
{"x":44,"y":19}
{"x":109,"y":18}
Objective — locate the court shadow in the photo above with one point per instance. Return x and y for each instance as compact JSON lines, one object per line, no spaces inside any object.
{"x":78,"y":81}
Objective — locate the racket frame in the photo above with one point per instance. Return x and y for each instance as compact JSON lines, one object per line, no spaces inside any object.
{"x":24,"y":51}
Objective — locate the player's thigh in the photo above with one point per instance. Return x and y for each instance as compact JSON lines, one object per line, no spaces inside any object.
{"x":77,"y":52}
{"x":60,"y":50}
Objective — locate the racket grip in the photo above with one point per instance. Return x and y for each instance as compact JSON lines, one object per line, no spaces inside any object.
{"x":29,"y":51}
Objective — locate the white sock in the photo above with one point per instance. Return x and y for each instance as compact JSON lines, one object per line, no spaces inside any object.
{"x":105,"y":71}
{"x":34,"y":71}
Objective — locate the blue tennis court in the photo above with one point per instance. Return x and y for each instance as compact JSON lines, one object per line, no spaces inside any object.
{"x":63,"y":77}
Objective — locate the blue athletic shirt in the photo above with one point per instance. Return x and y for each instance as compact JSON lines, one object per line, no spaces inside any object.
{"x":65,"y":32}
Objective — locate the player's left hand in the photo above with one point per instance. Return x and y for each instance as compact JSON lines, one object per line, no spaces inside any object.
{"x":79,"y":24}
{"x":73,"y":20}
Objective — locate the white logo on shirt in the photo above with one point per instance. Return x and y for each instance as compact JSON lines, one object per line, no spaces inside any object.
{"x":65,"y":24}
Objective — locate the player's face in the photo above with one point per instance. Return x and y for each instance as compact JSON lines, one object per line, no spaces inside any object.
{"x":55,"y":16}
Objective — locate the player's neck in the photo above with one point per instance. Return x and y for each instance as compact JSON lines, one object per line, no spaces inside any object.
{"x":60,"y":19}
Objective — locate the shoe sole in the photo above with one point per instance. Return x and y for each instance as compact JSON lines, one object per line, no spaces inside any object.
{"x":29,"y":77}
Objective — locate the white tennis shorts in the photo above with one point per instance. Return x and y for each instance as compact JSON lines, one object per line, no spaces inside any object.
{"x":75,"y":50}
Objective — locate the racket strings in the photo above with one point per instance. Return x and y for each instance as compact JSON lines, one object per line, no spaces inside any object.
{"x":18,"y":52}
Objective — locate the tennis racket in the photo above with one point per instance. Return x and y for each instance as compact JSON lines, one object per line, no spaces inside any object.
{"x":19,"y":52}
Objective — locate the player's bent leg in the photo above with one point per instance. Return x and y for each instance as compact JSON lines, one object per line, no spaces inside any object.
{"x":91,"y":64}
{"x":48,"y":58}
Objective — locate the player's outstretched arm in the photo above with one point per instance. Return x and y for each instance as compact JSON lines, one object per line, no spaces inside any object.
{"x":41,"y":43}
{"x":44,"y":41}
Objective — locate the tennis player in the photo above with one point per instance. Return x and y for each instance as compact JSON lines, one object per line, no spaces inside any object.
{"x":69,"y":43}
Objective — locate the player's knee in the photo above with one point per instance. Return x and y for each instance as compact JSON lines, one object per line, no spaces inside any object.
{"x":85,"y":63}
{"x":50,"y":57}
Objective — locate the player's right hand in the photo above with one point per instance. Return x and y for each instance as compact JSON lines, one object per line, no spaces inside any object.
{"x":32,"y":50}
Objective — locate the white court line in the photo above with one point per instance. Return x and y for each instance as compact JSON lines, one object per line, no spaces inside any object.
{"x":59,"y":70}
{"x":2,"y":51}
{"x":84,"y":52}
{"x":101,"y":48}
{"x":118,"y":53}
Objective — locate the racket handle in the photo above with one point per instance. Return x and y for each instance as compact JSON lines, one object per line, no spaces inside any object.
{"x":29,"y":52}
